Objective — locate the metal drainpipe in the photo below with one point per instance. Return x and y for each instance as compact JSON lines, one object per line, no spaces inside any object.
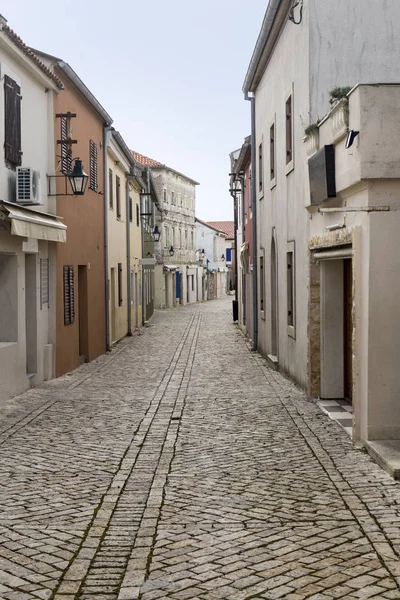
{"x":254,"y":219}
{"x":143,"y":230}
{"x":106,"y":130}
{"x":128,"y":253}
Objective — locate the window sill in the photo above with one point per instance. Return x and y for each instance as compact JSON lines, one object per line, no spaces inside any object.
{"x":7,"y":344}
{"x":272,"y":183}
{"x":261,"y":195}
{"x":262,"y":314}
{"x":290,"y":167}
{"x":291,"y":331}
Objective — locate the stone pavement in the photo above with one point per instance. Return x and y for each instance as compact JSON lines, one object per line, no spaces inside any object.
{"x":179,"y":466}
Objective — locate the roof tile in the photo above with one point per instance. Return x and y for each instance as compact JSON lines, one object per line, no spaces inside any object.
{"x":145,"y":161}
{"x":22,"y":46}
{"x":227,"y":227}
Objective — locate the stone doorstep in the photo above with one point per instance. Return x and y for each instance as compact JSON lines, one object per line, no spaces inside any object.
{"x":272,"y":361}
{"x":387,"y":454}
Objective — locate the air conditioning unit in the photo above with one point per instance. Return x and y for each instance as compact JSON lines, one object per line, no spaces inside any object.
{"x":28,"y":186}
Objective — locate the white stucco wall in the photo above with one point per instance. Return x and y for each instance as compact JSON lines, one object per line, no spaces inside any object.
{"x":280,"y":209}
{"x":351,"y":42}
{"x":37,"y":137}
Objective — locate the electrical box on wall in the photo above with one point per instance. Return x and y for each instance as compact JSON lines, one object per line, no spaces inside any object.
{"x":321,"y":169}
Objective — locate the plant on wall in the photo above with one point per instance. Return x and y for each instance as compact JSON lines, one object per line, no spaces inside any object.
{"x":337,"y":94}
{"x":312,"y":128}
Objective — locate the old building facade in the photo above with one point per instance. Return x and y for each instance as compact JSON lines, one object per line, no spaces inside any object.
{"x":175,"y":269}
{"x":289,"y":91}
{"x":29,"y":229}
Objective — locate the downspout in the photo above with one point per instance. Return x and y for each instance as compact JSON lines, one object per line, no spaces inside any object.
{"x":254,"y":219}
{"x":106,"y":130}
{"x":128,"y":253}
{"x":143,"y":231}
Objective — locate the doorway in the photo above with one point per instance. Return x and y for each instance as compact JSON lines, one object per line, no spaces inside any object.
{"x":31,"y":314}
{"x":83,"y":314}
{"x":113,"y":305}
{"x":336,"y":329}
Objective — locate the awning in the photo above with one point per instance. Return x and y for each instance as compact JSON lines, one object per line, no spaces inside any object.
{"x":244,"y":247}
{"x":29,"y":223}
{"x":147,"y":262}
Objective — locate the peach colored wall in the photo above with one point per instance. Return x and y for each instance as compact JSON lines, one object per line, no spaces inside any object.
{"x":84,"y":217}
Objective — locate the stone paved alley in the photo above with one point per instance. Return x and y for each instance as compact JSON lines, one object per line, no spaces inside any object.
{"x":179,"y":466}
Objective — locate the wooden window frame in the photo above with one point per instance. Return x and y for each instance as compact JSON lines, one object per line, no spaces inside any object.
{"x":69,"y":294}
{"x":272,"y":155}
{"x":289,"y":132}
{"x":44,"y":282}
{"x":261,"y":268}
{"x":120,"y":298}
{"x":118,"y":197}
{"x":260,"y":169}
{"x":110,"y":189}
{"x":291,"y":288}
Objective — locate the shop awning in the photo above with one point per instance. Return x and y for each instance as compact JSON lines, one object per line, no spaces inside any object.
{"x":29,"y":223}
{"x":170,"y":267}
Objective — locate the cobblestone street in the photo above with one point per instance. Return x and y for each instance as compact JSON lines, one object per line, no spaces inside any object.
{"x":180,"y":466}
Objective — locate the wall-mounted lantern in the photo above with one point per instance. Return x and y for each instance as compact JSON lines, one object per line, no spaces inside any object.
{"x":171,"y":251}
{"x":223,"y":258}
{"x":78,"y":178}
{"x":156,"y":234}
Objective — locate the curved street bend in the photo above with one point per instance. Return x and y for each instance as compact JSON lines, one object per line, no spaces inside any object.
{"x":180,"y":466}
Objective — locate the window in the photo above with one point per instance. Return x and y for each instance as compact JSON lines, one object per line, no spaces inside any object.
{"x":262,"y":282}
{"x":66,"y":154}
{"x":165,"y":195}
{"x":180,"y":238}
{"x":93,"y":166}
{"x":130,"y":210}
{"x":12,"y":116}
{"x":289,"y":130}
{"x":186,"y":238}
{"x":192,"y":239}
{"x":110,"y":189}
{"x":137,"y":215}
{"x":44,"y":281}
{"x":165,"y":236}
{"x":172,"y":197}
{"x":272,"y":152}
{"x":173,"y":236}
{"x":291,"y":297}
{"x":119,"y":284}
{"x":260,"y":168}
{"x":69,"y":295}
{"x":118,"y":196}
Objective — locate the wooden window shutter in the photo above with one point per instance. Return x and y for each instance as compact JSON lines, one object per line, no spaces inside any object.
{"x":66,"y":154}
{"x":110,"y":189}
{"x":289,"y":130}
{"x":119,"y":284}
{"x":12,"y":125}
{"x":93,"y":166}
{"x":137,"y":215}
{"x":118,"y":196}
{"x":69,"y":295}
{"x":130,"y":210}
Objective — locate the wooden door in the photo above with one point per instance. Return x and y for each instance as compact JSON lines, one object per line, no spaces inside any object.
{"x":348,"y":328}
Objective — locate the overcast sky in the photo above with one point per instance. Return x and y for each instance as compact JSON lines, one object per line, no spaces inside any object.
{"x":169,"y":73}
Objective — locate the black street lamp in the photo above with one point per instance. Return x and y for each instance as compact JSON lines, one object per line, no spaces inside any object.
{"x":156,"y":234}
{"x":78,"y":178}
{"x":171,"y":251}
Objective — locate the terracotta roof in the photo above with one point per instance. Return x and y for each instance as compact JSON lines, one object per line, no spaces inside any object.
{"x":210,"y":226}
{"x":28,"y":52}
{"x":145,"y":160}
{"x":227,"y":227}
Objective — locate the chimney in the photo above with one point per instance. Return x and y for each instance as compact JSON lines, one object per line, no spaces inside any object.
{"x":3,"y":21}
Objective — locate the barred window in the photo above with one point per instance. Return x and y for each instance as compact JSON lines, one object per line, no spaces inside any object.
{"x":69,"y":295}
{"x":44,"y":281}
{"x":66,"y":155}
{"x":93,"y":166}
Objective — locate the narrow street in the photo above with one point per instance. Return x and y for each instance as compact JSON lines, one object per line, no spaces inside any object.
{"x":180,"y":466}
